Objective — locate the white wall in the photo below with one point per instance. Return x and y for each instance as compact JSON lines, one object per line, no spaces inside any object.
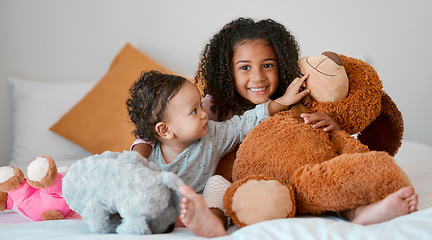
{"x":56,"y":40}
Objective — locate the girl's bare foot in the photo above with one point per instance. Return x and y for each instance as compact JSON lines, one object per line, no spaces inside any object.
{"x":197,"y":217}
{"x":399,"y":203}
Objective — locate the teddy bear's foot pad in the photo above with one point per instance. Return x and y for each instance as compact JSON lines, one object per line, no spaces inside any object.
{"x":260,"y":200}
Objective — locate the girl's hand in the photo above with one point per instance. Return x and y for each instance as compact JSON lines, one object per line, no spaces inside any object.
{"x":295,"y":92}
{"x":321,"y":120}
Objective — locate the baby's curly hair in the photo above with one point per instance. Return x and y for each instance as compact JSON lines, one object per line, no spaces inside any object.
{"x":147,"y":102}
{"x":215,"y":73}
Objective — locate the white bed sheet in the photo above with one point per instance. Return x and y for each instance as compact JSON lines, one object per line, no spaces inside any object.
{"x":414,"y":158}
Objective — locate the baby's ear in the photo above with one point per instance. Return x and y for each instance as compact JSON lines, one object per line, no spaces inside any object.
{"x":163,"y":130}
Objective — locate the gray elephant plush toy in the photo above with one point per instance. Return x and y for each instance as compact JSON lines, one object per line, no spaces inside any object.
{"x":123,"y":193}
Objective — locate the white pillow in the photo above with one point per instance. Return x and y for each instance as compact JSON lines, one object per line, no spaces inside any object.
{"x":36,"y":107}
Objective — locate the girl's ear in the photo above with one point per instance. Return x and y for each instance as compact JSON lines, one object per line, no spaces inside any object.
{"x":163,"y":130}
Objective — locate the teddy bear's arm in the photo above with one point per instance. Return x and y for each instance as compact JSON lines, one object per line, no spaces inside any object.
{"x":345,"y":144}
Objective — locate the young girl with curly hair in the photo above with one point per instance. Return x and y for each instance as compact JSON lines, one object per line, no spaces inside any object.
{"x":219,"y":72}
{"x":248,"y":62}
{"x":245,"y":64}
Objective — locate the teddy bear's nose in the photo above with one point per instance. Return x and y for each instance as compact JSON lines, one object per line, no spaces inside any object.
{"x":333,"y":56}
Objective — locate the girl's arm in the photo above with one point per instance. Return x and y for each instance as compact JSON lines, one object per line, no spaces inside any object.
{"x":293,"y":95}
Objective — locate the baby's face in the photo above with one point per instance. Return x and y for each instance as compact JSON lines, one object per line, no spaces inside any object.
{"x":185,"y":115}
{"x":256,"y":70}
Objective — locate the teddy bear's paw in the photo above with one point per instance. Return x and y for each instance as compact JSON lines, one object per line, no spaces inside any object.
{"x":51,"y":215}
{"x":41,"y":172}
{"x":3,"y":201}
{"x":10,"y":178}
{"x":257,"y":200}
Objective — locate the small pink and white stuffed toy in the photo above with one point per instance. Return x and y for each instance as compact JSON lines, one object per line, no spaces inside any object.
{"x":37,"y":198}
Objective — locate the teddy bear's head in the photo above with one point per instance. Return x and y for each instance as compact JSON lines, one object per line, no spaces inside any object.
{"x":347,"y":89}
{"x":328,"y":81}
{"x":350,"y":91}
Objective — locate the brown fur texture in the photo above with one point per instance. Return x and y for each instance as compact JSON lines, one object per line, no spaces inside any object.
{"x":385,"y":133}
{"x":328,"y":171}
{"x":365,"y":178}
{"x":52,"y":214}
{"x":10,"y":185}
{"x":363,"y":103}
{"x":3,"y":201}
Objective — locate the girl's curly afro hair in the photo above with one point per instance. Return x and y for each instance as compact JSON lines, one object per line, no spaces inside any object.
{"x":215,"y":73}
{"x":147,"y":102}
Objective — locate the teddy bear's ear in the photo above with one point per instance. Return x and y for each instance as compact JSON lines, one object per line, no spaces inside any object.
{"x":385,"y":132}
{"x":363,"y":104}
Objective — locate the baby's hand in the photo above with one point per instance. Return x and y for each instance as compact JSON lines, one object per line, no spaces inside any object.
{"x":295,"y":92}
{"x":320,"y":120}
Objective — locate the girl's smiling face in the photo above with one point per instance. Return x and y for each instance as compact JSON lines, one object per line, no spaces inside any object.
{"x":256,"y":70}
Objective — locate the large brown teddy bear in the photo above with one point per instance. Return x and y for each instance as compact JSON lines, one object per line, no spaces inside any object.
{"x":286,"y":167}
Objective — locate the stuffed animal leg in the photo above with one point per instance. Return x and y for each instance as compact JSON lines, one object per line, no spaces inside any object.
{"x":39,"y":197}
{"x":340,"y":184}
{"x":346,"y":182}
{"x":355,"y":177}
{"x":258,"y":198}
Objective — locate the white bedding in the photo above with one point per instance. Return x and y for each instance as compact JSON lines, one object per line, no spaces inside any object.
{"x":414,"y":158}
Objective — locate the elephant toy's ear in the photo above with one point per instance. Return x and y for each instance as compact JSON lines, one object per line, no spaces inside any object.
{"x":385,"y":132}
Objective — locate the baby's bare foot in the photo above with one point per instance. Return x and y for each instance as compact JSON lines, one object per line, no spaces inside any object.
{"x":197,"y":217}
{"x":399,"y":203}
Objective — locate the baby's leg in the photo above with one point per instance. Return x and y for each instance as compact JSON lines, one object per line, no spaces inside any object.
{"x":399,"y":203}
{"x":197,"y":216}
{"x":213,"y":195}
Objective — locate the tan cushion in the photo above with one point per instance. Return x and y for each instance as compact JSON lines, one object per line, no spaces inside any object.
{"x":100,"y":122}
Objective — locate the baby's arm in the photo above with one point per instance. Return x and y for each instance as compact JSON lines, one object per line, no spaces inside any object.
{"x":142,"y":148}
{"x":321,"y":120}
{"x":292,"y":95}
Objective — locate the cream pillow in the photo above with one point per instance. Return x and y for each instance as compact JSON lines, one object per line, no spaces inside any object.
{"x":36,"y":106}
